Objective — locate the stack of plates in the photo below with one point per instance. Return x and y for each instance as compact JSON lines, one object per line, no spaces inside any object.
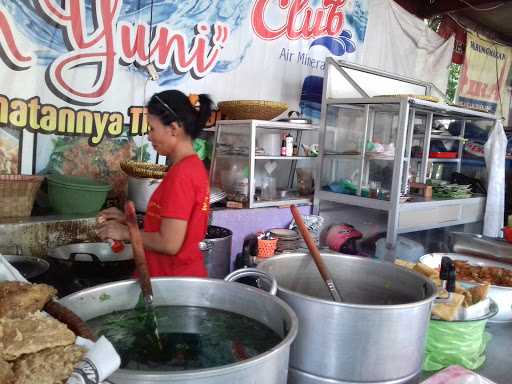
{"x":216,"y":195}
{"x":287,"y":239}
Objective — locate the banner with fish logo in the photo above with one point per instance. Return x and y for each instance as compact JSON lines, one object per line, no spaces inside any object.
{"x":75,"y":71}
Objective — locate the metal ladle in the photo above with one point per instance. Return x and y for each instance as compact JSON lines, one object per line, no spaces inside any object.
{"x":141,"y":266}
{"x":315,"y":253}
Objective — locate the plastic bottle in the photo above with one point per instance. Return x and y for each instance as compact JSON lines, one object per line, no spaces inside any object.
{"x":289,"y":145}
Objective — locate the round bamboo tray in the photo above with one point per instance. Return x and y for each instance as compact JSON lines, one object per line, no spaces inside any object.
{"x":251,"y":109}
{"x":143,"y":170}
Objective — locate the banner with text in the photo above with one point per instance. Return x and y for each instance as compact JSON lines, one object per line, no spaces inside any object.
{"x":483,"y":82}
{"x":74,"y":72}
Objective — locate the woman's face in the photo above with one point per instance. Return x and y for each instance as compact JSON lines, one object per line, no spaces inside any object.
{"x":162,"y":137}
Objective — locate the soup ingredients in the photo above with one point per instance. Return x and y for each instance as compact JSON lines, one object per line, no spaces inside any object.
{"x":33,"y":333}
{"x":18,"y":299}
{"x":485,"y":275}
{"x":53,"y":365}
{"x":192,"y":338}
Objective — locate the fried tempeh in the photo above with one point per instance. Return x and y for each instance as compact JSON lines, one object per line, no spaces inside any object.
{"x":50,"y":366}
{"x":17,"y":299}
{"x":6,"y":373}
{"x":32,"y":334}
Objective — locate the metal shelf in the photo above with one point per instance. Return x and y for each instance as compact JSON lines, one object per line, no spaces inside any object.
{"x":440,"y":137}
{"x":285,"y":157}
{"x":437,"y":160}
{"x":280,"y":125}
{"x":381,"y":205}
{"x":282,"y":203}
{"x":423,"y":203}
{"x":401,"y":217}
{"x":439,"y":109}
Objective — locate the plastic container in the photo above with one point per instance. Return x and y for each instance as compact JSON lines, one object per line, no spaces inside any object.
{"x":76,"y":194}
{"x":406,"y":249}
{"x":266,"y":248}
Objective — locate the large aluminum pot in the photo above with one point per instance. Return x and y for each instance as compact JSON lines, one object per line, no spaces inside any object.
{"x":270,"y":367}
{"x":376,"y":336}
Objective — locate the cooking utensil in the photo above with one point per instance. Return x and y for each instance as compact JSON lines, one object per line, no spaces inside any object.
{"x":270,"y":367}
{"x":68,"y":317}
{"x":92,"y":260}
{"x":140,"y":264}
{"x":381,"y":325}
{"x":315,"y":253}
{"x":29,"y":266}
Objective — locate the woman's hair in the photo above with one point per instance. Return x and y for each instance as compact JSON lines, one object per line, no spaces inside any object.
{"x":175,"y":106}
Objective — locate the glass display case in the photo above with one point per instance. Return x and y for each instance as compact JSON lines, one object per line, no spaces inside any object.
{"x":249,"y":167}
{"x":374,"y":148}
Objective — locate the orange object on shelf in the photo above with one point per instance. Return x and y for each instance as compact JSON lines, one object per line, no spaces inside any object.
{"x":266,"y":248}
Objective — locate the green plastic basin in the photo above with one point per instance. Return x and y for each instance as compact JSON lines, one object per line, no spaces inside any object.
{"x":76,"y":194}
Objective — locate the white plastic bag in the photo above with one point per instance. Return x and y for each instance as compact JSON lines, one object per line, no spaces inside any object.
{"x":495,"y":150}
{"x":457,"y":375}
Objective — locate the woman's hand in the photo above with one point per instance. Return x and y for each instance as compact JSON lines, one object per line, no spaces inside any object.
{"x":113,"y":229}
{"x":111,"y":213}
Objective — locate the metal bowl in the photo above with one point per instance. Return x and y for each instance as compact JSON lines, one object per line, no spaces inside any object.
{"x":501,"y":295}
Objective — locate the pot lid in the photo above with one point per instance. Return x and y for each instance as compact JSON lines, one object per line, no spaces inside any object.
{"x":79,"y":182}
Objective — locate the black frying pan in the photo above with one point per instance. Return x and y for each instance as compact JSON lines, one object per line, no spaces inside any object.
{"x":29,"y":266}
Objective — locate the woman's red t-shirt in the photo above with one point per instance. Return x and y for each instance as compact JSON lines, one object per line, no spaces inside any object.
{"x":183,"y":194}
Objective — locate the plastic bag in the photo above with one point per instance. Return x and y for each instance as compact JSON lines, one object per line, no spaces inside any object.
{"x":457,"y":375}
{"x":495,"y":151}
{"x":455,"y":343}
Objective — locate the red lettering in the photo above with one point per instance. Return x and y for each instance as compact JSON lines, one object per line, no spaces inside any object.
{"x":171,"y":47}
{"x":8,"y":43}
{"x":99,"y":46}
{"x":301,"y":21}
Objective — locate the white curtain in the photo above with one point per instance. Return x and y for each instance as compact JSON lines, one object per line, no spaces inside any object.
{"x":401,"y":43}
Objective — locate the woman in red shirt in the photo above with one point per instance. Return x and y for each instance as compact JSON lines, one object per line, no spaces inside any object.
{"x":176,"y":218}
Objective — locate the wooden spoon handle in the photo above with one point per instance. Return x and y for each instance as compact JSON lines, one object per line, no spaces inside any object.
{"x":315,"y":253}
{"x":138,"y":251}
{"x":68,"y":317}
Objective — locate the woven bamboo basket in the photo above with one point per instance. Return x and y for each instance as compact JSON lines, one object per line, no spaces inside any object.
{"x":17,"y":194}
{"x":251,"y":109}
{"x":143,"y":170}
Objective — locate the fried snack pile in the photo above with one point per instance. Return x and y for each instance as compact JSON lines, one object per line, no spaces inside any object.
{"x":462,"y":297}
{"x":34,"y":347}
{"x":483,"y":275}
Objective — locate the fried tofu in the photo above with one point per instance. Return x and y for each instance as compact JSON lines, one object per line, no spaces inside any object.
{"x":425,"y":270}
{"x":448,"y":311}
{"x":17,"y":299}
{"x":50,"y":366}
{"x":32,"y":334}
{"x":6,"y":373}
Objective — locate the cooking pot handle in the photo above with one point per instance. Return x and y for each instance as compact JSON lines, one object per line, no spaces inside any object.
{"x":94,"y":258}
{"x":253,"y":272}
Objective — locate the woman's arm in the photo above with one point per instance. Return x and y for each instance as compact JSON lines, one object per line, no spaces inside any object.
{"x":169,"y":239}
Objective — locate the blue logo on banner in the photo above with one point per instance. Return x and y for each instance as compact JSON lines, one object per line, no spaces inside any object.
{"x":338,"y":46}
